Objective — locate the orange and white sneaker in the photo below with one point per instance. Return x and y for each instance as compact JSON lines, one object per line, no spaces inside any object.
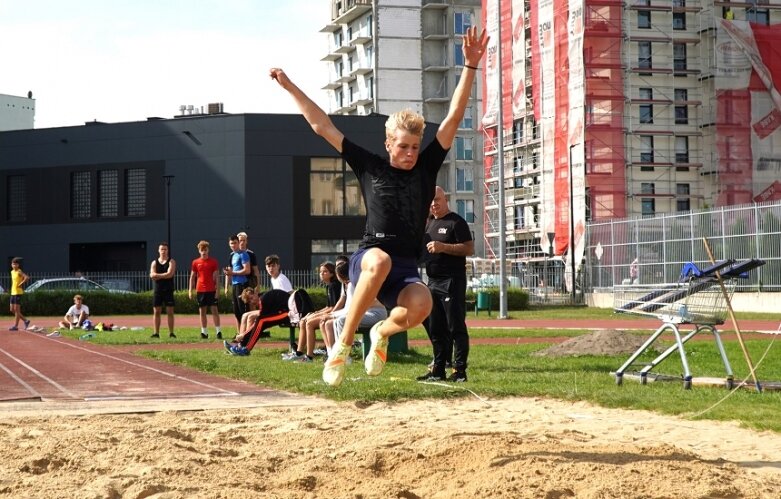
{"x":333,"y":371}
{"x":378,"y":353}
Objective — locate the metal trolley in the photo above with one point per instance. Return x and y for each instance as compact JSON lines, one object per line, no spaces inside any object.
{"x":700,"y":302}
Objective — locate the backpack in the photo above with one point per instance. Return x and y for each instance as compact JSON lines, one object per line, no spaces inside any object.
{"x":299,"y":305}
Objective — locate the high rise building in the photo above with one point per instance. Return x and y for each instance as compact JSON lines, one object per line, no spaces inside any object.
{"x":387,"y":55}
{"x":627,"y":108}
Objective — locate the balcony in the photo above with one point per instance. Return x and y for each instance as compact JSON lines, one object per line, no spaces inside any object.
{"x":346,"y":11}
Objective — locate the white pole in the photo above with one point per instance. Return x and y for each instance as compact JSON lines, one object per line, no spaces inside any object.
{"x":500,"y":156}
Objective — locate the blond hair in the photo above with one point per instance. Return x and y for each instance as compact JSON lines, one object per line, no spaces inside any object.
{"x":203,"y":245}
{"x":407,"y":120}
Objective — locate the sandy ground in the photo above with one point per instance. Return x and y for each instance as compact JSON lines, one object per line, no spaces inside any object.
{"x":300,"y":447}
{"x":513,"y":448}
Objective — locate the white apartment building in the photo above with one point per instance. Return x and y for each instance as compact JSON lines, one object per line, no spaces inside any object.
{"x":387,"y":55}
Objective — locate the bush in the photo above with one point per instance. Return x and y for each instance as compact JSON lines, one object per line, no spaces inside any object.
{"x":56,"y":303}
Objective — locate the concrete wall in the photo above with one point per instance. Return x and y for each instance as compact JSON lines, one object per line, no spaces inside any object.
{"x":741,"y":302}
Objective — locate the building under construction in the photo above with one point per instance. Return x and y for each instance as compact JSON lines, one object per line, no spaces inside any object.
{"x":614,"y":109}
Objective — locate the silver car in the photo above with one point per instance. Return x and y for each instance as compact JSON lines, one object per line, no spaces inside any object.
{"x":69,"y":284}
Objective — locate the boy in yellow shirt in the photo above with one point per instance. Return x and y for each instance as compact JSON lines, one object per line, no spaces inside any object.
{"x":18,"y":279}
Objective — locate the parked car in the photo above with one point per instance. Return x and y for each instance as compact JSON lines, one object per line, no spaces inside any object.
{"x":118,"y":285}
{"x":69,"y":284}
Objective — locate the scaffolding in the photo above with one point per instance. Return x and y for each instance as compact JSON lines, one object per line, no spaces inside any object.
{"x":680,"y":113}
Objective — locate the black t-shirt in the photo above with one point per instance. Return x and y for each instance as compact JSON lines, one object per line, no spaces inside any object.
{"x":449,"y":229}
{"x":397,"y":201}
{"x":274,"y":302}
{"x":333,"y":291}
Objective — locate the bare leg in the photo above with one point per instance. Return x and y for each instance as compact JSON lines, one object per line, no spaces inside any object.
{"x":328,"y":334}
{"x":170,"y":312}
{"x":311,"y":327}
{"x":215,"y":316}
{"x":156,"y":318}
{"x":375,"y":267}
{"x":202,"y":314}
{"x":412,"y":308}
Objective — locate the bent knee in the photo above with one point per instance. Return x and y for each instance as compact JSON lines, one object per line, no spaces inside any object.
{"x":376,"y":261}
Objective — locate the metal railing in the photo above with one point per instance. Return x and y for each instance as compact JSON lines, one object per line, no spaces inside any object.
{"x":138,"y":281}
{"x":664,"y":243}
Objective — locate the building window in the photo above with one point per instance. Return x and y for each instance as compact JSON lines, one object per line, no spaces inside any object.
{"x":339,"y":68}
{"x":518,"y":131}
{"x":108,"y":193}
{"x":80,"y":195}
{"x":682,"y":149}
{"x":648,"y":206}
{"x":16,"y":198}
{"x":326,"y":250}
{"x":338,"y":39}
{"x":466,"y":208}
{"x":518,"y":220}
{"x":458,"y":55}
{"x":682,"y":204}
{"x":464,"y":148}
{"x":679,"y":18}
{"x":759,"y":16}
{"x":333,"y":188}
{"x":462,"y":21}
{"x":135,"y":192}
{"x":681,"y":110}
{"x":465,"y":180}
{"x":467,"y":123}
{"x":647,"y":188}
{"x":679,"y":56}
{"x":647,"y":149}
{"x":644,"y":55}
{"x":643,"y":16}
{"x":646,"y":109}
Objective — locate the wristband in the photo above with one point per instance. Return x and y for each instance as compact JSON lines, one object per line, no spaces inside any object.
{"x":471,"y":67}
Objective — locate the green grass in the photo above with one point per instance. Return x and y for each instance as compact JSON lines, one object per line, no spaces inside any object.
{"x":504,"y":371}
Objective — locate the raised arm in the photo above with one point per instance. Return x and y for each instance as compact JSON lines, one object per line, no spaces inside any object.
{"x":473,"y":48}
{"x":314,"y":115}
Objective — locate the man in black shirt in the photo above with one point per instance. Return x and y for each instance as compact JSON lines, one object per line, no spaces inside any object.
{"x":448,"y":243}
{"x":397,"y":192}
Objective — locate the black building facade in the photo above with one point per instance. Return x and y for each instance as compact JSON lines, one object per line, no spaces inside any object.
{"x":93,"y":197}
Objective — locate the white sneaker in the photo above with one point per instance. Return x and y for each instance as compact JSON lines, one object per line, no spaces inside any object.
{"x":378,"y":353}
{"x":333,"y":371}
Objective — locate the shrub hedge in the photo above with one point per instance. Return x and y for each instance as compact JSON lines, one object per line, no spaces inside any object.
{"x":56,"y":303}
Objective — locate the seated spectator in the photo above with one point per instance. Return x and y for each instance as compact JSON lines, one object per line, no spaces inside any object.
{"x":311,"y":322}
{"x":272,"y":310}
{"x":248,"y":319}
{"x":334,"y":322}
{"x":76,"y":315}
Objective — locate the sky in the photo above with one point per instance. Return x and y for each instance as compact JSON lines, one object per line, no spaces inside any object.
{"x":126,"y":60}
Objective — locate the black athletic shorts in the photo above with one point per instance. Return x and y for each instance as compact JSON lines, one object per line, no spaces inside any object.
{"x":206,"y":299}
{"x":160,"y":298}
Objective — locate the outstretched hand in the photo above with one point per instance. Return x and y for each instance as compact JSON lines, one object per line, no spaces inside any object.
{"x":474,"y":46}
{"x":279,"y":75}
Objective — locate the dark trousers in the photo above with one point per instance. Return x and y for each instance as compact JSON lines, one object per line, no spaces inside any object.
{"x":446,"y":326}
{"x":239,"y":307}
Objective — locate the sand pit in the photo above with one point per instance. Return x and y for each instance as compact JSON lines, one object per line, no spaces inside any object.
{"x":514,"y":448}
{"x":601,"y":342}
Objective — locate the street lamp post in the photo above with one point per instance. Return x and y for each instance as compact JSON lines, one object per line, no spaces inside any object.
{"x":168,"y":179}
{"x":546,"y":277}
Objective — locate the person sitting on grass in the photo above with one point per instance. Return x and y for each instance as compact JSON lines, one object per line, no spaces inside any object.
{"x":76,"y":314}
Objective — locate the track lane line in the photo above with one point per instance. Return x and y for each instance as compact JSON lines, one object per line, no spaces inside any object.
{"x":36,"y":372}
{"x":222,"y":391}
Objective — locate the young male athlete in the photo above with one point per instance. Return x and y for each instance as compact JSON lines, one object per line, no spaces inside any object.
{"x":397,"y":192}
